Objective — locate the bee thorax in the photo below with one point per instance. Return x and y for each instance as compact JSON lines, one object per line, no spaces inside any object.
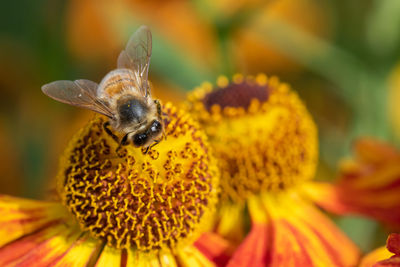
{"x":132,"y":111}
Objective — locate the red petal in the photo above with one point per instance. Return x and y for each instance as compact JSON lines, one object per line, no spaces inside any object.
{"x":215,"y":248}
{"x":393,"y":243}
{"x":303,"y":236}
{"x":392,"y":262}
{"x":291,"y":232}
{"x":254,"y":250}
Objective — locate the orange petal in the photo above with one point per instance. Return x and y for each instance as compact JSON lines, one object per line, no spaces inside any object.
{"x":59,"y":245}
{"x":300,"y":227}
{"x":287,"y":231}
{"x":254,"y":249}
{"x":369,"y":185}
{"x":215,"y":248}
{"x":370,"y":150}
{"x":21,"y":216}
{"x":295,"y":234}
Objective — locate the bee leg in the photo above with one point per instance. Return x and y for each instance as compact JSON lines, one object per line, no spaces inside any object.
{"x":155,"y":143}
{"x":158,"y":104}
{"x":151,"y":146}
{"x":124,"y":142}
{"x":109,"y":132}
{"x":160,"y":115}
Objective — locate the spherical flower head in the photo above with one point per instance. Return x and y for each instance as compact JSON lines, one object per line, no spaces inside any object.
{"x":133,"y":199}
{"x":263,"y":137}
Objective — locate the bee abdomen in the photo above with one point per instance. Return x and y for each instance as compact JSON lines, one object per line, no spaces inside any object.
{"x":116,"y":82}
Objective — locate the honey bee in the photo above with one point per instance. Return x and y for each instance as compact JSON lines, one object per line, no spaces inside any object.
{"x":123,"y":95}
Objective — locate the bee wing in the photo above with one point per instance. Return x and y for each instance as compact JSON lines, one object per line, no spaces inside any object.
{"x":81,"y":93}
{"x":136,"y":57}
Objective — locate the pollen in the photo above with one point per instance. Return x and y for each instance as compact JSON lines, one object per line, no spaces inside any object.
{"x":132,"y":199}
{"x":263,"y":136}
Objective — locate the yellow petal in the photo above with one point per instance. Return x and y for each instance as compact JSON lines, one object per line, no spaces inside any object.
{"x":21,"y":216}
{"x":257,"y":211}
{"x":230,"y":225}
{"x":191,"y":257}
{"x":59,"y":245}
{"x":109,"y":257}
{"x":150,"y":259}
{"x":375,"y":256}
{"x":79,"y":254}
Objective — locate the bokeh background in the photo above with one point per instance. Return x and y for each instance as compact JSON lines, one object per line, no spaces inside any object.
{"x":340,"y":55}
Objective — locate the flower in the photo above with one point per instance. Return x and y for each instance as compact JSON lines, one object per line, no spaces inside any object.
{"x":389,"y":256}
{"x":368,"y":184}
{"x":118,"y":206}
{"x":192,"y":29}
{"x":266,"y":145}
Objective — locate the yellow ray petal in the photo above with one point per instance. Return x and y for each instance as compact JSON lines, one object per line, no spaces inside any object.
{"x":59,"y":245}
{"x":109,"y":257}
{"x":150,"y":259}
{"x":80,"y":253}
{"x":191,"y":257}
{"x":21,"y":216}
{"x":375,"y":256}
{"x":230,"y":226}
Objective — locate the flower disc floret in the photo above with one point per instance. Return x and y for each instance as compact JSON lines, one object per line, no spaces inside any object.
{"x":129,"y":198}
{"x":262,"y":134}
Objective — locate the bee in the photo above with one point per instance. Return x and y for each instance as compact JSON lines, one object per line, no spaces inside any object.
{"x":123,"y":95}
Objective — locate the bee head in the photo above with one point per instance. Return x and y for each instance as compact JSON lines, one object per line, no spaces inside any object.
{"x":153,"y":131}
{"x":140,"y":139}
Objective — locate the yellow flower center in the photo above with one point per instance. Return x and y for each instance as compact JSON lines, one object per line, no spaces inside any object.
{"x":131,"y":199}
{"x":263,"y":136}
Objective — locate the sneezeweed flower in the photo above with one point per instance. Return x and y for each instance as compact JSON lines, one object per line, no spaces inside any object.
{"x":368,"y":184}
{"x":381,"y":257}
{"x":191,"y":28}
{"x":118,"y":207}
{"x":266,"y":145}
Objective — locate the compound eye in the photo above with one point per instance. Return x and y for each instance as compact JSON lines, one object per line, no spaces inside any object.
{"x":140,"y":139}
{"x":156,"y":127}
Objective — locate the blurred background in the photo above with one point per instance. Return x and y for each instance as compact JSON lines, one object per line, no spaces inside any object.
{"x":341,"y":56}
